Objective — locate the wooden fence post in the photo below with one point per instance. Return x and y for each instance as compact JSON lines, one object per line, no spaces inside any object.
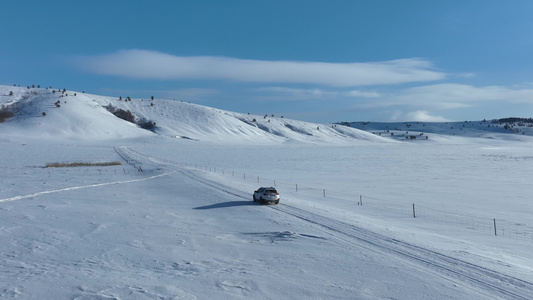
{"x":414,"y":213}
{"x":495,"y":232}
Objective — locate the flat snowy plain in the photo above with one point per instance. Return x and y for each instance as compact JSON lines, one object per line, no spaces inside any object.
{"x":176,"y":220}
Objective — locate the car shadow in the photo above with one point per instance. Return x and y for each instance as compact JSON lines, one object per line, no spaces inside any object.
{"x":227,"y":204}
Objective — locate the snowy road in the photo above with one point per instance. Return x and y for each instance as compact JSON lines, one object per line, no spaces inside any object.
{"x":471,"y":276}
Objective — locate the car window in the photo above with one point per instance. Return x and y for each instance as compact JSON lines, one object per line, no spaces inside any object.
{"x":271,"y":191}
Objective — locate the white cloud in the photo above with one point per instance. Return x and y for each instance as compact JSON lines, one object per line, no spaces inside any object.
{"x":144,"y":64}
{"x":362,"y":94}
{"x":452,"y":96}
{"x":285,"y":93}
{"x":424,"y":116}
{"x":419,"y":116}
{"x":426,"y":102}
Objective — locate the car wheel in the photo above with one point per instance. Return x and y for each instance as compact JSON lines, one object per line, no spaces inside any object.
{"x":277,"y":201}
{"x":261,"y":200}
{"x":254,"y":198}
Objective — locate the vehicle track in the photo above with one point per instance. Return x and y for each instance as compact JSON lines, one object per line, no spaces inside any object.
{"x":495,"y":283}
{"x":482,"y":279}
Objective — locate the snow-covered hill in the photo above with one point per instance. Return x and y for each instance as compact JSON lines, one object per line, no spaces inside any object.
{"x":58,"y":113}
{"x":54,"y":113}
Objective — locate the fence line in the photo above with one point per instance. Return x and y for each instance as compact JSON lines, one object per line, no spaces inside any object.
{"x":490,"y":226}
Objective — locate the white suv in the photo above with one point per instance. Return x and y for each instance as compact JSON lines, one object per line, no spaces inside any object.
{"x":266,"y":195}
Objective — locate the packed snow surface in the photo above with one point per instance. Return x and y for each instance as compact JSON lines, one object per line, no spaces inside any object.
{"x":363,"y":214}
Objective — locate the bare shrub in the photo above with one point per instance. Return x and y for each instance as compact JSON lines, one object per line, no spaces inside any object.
{"x":146,"y":124}
{"x":122,"y":114}
{"x":5,"y":114}
{"x":128,"y":116}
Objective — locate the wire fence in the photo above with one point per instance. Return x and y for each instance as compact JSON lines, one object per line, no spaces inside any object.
{"x":452,"y":221}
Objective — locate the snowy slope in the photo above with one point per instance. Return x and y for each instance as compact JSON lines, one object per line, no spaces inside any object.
{"x":84,"y":116}
{"x":77,"y":117}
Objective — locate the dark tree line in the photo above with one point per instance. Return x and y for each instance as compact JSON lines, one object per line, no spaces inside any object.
{"x":513,"y":120}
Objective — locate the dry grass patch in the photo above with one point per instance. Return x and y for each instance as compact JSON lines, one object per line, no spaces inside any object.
{"x":82,"y":164}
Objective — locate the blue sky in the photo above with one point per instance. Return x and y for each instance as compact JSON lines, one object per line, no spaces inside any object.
{"x":321,"y":61}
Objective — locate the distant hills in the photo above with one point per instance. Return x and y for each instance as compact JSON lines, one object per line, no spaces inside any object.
{"x":51,"y":113}
{"x":497,"y":128}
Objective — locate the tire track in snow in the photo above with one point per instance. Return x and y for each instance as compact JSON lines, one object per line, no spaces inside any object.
{"x":80,"y":187}
{"x":486,"y":280}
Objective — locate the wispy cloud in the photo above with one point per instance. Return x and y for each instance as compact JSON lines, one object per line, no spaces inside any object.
{"x":451,"y":95}
{"x":144,"y":64}
{"x":423,"y":116}
{"x":362,"y":94}
{"x":416,"y":116}
{"x":287,"y":93}
{"x":428,"y":103}
{"x":447,"y":96}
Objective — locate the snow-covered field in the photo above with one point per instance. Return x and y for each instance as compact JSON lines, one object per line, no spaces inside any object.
{"x":176,"y":220}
